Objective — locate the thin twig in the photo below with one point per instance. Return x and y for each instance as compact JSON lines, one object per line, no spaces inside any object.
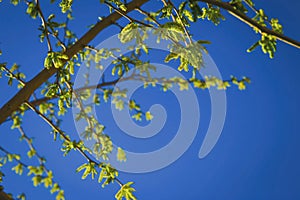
{"x":14,"y":76}
{"x":66,"y":28}
{"x":31,"y":147}
{"x":126,"y":16}
{"x":250,"y":22}
{"x":148,"y":15}
{"x":18,"y":161}
{"x":181,"y":22}
{"x":65,"y":137}
{"x":172,"y":15}
{"x":61,"y":43}
{"x":44,"y":24}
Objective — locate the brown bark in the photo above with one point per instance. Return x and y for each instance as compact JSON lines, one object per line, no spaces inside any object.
{"x":4,"y":196}
{"x":24,"y":94}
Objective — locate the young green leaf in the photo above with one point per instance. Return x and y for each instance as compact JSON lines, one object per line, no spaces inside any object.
{"x":121,"y":155}
{"x":149,"y":116}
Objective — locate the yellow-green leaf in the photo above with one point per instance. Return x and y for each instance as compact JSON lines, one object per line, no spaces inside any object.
{"x":149,"y":116}
{"x":121,"y":155}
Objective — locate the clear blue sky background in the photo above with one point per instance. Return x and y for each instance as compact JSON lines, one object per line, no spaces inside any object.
{"x":257,"y":156}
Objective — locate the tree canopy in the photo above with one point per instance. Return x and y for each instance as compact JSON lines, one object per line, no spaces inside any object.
{"x":55,"y":90}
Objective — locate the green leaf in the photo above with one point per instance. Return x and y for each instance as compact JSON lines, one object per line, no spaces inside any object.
{"x":196,"y":10}
{"x":55,"y":59}
{"x":173,"y":26}
{"x":71,"y":67}
{"x":60,"y":195}
{"x":51,"y":16}
{"x":246,"y":79}
{"x":239,"y":6}
{"x":89,"y":168}
{"x":55,"y":188}
{"x":36,"y":180}
{"x":85,"y":167}
{"x":126,"y":191}
{"x":31,"y":153}
{"x":137,"y":116}
{"x":14,"y":67}
{"x":166,"y":11}
{"x":213,"y":14}
{"x":108,"y":173}
{"x":48,"y":179}
{"x":119,"y":103}
{"x":122,"y":7}
{"x":32,"y":10}
{"x":149,"y":116}
{"x":171,"y":56}
{"x":276,"y":26}
{"x":133,"y":106}
{"x":121,"y":155}
{"x":35,"y":170}
{"x":16,"y":122}
{"x":48,"y":60}
{"x":18,"y":169}
{"x":10,"y":157}
{"x":129,"y":32}
{"x":241,"y":85}
{"x":62,"y":56}
{"x":268,"y":44}
{"x":21,"y":196}
{"x":15,"y":2}
{"x":96,"y":99}
{"x":65,"y":5}
{"x":184,"y":65}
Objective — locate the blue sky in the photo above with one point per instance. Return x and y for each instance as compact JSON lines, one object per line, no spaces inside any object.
{"x":256,"y":156}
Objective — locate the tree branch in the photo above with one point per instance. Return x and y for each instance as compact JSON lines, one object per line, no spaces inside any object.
{"x":66,"y":138}
{"x":4,"y":196}
{"x":24,"y":94}
{"x":250,"y":22}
